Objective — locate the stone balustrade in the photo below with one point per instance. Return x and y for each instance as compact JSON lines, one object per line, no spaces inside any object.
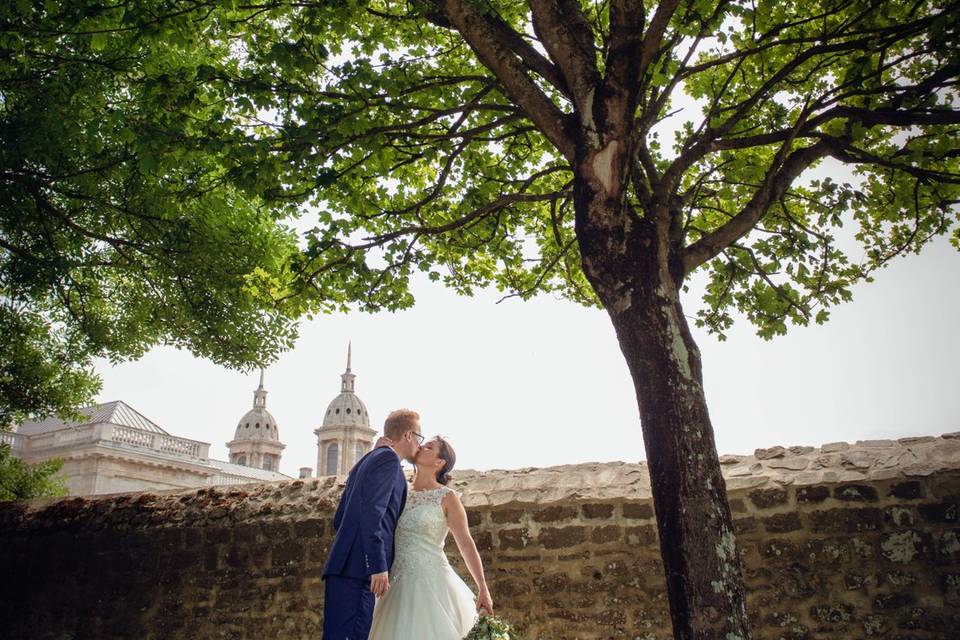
{"x":229,"y":479}
{"x":113,"y":436}
{"x":14,"y":440}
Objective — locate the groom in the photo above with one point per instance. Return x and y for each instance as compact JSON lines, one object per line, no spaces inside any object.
{"x":357,"y":568}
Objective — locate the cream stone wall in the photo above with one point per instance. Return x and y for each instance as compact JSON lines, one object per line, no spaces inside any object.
{"x":86,"y":473}
{"x":854,"y":540}
{"x":124,"y":474}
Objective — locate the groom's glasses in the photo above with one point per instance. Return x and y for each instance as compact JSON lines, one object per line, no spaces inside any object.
{"x":420,"y":438}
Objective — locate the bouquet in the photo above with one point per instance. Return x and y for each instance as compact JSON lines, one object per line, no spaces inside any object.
{"x":491,"y":628}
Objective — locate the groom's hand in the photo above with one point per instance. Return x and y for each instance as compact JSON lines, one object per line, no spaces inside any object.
{"x":380,"y":583}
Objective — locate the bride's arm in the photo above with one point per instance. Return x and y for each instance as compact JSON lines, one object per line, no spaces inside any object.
{"x":457,"y":521}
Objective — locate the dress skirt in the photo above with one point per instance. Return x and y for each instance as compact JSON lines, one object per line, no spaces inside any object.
{"x":425,"y":605}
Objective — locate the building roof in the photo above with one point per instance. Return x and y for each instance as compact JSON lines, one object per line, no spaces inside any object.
{"x":248,"y":472}
{"x":116,"y":412}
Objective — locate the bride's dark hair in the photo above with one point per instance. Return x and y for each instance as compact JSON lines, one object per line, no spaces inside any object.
{"x":445,"y":452}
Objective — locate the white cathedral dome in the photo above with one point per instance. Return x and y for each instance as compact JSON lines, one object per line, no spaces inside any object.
{"x":258,"y":423}
{"x":346,"y":410}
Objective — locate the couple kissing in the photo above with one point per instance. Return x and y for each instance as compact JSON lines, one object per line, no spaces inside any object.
{"x":387,"y":576}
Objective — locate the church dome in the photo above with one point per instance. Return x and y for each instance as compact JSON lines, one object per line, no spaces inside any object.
{"x":258,"y":423}
{"x":347,"y":410}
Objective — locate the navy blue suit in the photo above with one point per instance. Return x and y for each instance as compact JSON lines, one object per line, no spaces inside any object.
{"x":364,"y":523}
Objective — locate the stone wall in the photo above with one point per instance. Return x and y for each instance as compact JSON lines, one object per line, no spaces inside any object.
{"x":844,"y":541}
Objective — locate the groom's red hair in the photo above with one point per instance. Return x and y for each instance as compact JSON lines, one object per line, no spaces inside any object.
{"x":399,"y":422}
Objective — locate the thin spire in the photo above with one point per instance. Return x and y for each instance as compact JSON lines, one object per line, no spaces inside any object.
{"x":347,"y":376}
{"x":260,"y":394}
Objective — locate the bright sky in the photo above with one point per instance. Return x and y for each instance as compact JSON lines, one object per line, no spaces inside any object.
{"x":543,"y":382}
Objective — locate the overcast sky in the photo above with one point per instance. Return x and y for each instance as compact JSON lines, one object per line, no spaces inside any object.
{"x":543,"y":382}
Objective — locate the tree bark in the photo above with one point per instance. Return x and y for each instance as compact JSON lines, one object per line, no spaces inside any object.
{"x":634,"y":264}
{"x":703,"y":574}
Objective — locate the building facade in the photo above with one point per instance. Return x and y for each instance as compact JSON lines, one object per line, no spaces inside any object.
{"x":115,"y":449}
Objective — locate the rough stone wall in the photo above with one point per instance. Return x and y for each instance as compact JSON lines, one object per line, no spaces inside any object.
{"x":844,"y":541}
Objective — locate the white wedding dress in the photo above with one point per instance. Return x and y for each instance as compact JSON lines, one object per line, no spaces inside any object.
{"x":427,"y":600}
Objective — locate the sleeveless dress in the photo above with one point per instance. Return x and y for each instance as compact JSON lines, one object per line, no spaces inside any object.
{"x":427,"y":600}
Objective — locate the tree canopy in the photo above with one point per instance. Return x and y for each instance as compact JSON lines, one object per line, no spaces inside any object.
{"x":411,"y":153}
{"x":443,"y":165}
{"x":114,"y":235}
{"x":602,"y":150}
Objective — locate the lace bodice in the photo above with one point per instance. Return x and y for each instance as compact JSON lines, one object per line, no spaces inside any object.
{"x":421,"y":532}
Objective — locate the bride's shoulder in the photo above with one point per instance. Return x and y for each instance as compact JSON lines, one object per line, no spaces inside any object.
{"x":449,"y":495}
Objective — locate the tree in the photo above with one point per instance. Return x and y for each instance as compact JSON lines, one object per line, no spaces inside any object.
{"x":111,"y":239}
{"x":520,"y":145}
{"x":19,"y":481}
{"x":41,"y":372}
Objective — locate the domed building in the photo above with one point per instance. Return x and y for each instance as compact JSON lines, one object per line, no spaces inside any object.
{"x":111,"y":448}
{"x":345,"y":435}
{"x":256,"y":442}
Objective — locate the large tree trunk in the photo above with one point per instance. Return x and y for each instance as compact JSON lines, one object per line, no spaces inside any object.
{"x":704,"y":582}
{"x":632,"y":261}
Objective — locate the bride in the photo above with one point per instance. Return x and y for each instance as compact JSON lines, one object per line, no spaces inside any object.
{"x":427,"y":600}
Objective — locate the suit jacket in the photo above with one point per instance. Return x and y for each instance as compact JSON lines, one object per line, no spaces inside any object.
{"x":366,"y":517}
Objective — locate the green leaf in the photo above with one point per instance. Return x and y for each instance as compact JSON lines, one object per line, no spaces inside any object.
{"x":98,"y":41}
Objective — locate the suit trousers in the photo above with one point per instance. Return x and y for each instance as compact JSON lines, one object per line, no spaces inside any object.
{"x":347,"y":608}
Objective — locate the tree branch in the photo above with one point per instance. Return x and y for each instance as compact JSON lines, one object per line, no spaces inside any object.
{"x":621,"y":85}
{"x":695,"y":148}
{"x":545,"y":271}
{"x":848,"y":152}
{"x":564,"y":32}
{"x":775,"y":183}
{"x":654,"y":35}
{"x":533,"y":59}
{"x":496,"y":55}
{"x":479,"y":212}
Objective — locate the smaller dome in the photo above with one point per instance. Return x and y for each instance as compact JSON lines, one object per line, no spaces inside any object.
{"x":257,"y":424}
{"x":346,"y":410}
